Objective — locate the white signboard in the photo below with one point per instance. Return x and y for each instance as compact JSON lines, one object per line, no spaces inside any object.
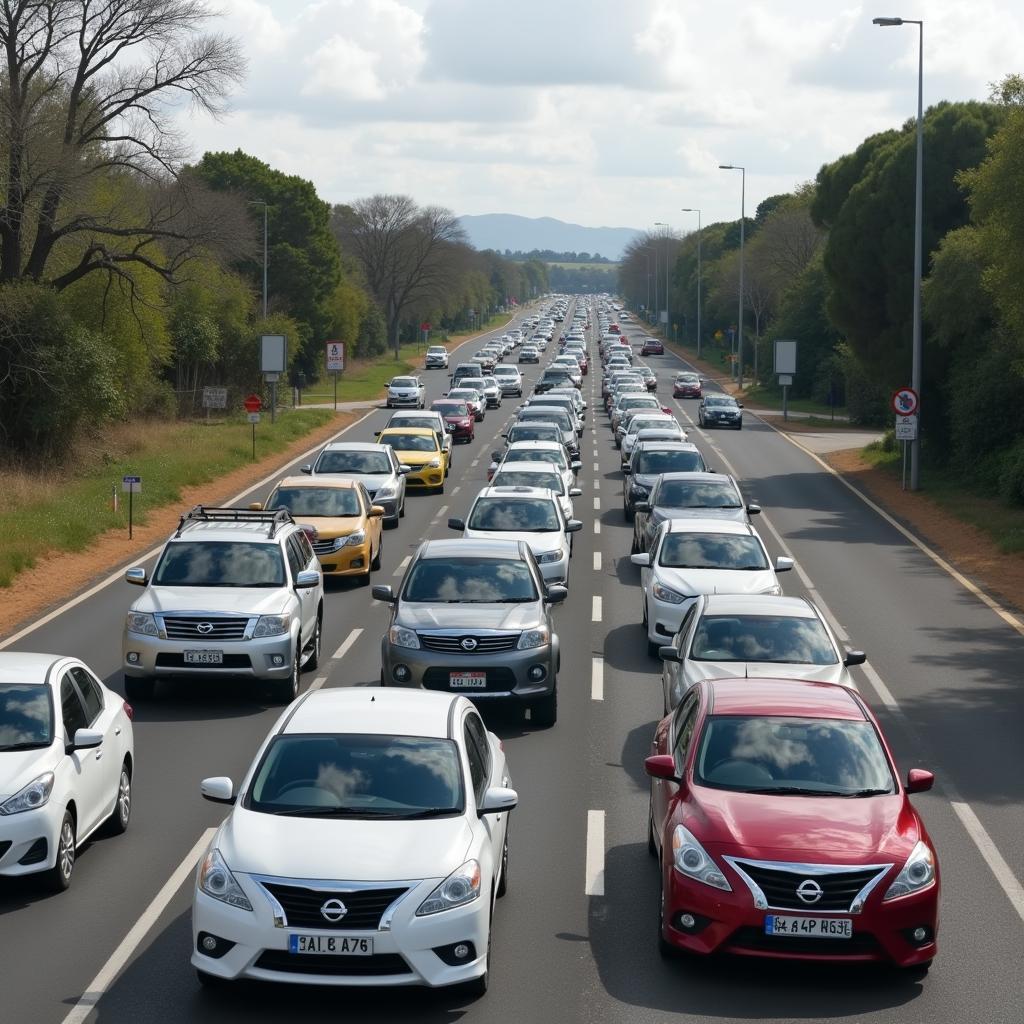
{"x":906,"y":428}
{"x":785,"y":357}
{"x":254,"y":417}
{"x":335,"y":356}
{"x":215,"y":398}
{"x":785,"y":379}
{"x":131,"y":484}
{"x":273,"y":353}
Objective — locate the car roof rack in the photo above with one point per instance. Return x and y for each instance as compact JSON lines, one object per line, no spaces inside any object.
{"x":273,"y":518}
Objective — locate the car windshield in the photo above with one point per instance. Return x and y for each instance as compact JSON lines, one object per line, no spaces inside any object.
{"x":548,"y":412}
{"x":800,"y":756}
{"x":358,"y":776}
{"x":206,"y":563}
{"x":437,"y":350}
{"x":451,"y":408}
{"x":782,"y":639}
{"x":476,"y":383}
{"x":638,"y":423}
{"x":528,"y":478}
{"x":316,"y":501}
{"x":465,"y":394}
{"x":655,"y":462}
{"x":26,"y":716}
{"x":687,"y":378}
{"x":638,"y":403}
{"x":506,"y":371}
{"x":720,"y":400}
{"x":523,"y":515}
{"x":534,"y":432}
{"x":353,"y":462}
{"x":553,"y":455}
{"x":419,"y":422}
{"x":695,"y":494}
{"x":405,"y":382}
{"x":410,"y":442}
{"x":711,"y":551}
{"x":470,"y":580}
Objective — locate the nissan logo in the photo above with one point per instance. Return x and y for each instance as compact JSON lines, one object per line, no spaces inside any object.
{"x":333,"y":910}
{"x":809,"y":891}
{"x":468,"y":644}
{"x":204,"y":627}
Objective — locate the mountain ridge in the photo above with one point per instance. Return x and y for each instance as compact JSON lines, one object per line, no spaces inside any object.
{"x":501,"y":231}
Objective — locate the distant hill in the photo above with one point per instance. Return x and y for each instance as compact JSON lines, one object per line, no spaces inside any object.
{"x":503,"y":231}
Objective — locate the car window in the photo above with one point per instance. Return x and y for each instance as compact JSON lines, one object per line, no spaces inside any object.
{"x":529,"y":515}
{"x":685,"y":720}
{"x":658,"y":462}
{"x":527,"y":478}
{"x":220,"y":564}
{"x":696,"y":494}
{"x":305,"y":500}
{"x":26,"y":716}
{"x":92,"y":698}
{"x":296,"y":562}
{"x":685,"y":625}
{"x":469,"y":581}
{"x":410,"y":442}
{"x":712,"y":551}
{"x":786,"y":639}
{"x":353,"y":462}
{"x":477,"y":765}
{"x":71,"y":708}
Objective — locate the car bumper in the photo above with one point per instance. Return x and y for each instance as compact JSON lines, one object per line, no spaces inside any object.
{"x":390,"y":506}
{"x":421,"y":479}
{"x":512,"y":389}
{"x":494,"y":401}
{"x":722,"y":421}
{"x":664,"y":619}
{"x":728,"y":923}
{"x":351,"y":560}
{"x":461,"y":433}
{"x":263,"y":658}
{"x":31,"y":836}
{"x":260,"y":949}
{"x":435,"y":364}
{"x":398,"y":401}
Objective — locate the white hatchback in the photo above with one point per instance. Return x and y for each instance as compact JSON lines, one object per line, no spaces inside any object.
{"x":365,"y":846}
{"x":67,"y":757}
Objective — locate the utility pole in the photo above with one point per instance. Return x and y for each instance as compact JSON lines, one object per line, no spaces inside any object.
{"x":689,"y":209}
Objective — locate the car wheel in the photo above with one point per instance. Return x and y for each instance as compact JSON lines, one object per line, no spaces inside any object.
{"x":58,"y":878}
{"x":477,"y":988}
{"x":544,"y":713}
{"x":139,"y":687}
{"x":210,"y":981}
{"x":284,"y":691}
{"x":314,"y":655}
{"x":739,"y":426}
{"x":665,"y":948}
{"x":401,"y":510}
{"x":503,"y":883}
{"x":375,"y":564}
{"x":652,"y":847}
{"x":629,"y":514}
{"x":117,"y":823}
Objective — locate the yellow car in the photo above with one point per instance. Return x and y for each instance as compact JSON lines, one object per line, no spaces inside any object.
{"x":418,"y":448}
{"x":348,"y":526}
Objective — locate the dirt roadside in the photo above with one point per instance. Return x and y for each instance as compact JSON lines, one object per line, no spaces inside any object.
{"x":59,"y":576}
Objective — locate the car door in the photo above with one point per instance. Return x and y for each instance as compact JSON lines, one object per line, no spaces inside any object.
{"x":481,"y":766}
{"x":374,"y":524}
{"x":673,"y":677}
{"x":298,"y":561}
{"x":675,"y":741}
{"x":88,"y":786}
{"x":103,"y":715}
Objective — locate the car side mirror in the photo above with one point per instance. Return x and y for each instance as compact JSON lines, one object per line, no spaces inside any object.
{"x":454,"y":523}
{"x":255,"y":506}
{"x":575,"y":492}
{"x":753,"y":510}
{"x":739,"y":405}
{"x":405,"y":470}
{"x":642,"y":558}
{"x":669,"y":653}
{"x":495,"y":455}
{"x":307,"y":579}
{"x":382,"y":592}
{"x":85,"y":739}
{"x":576,"y":465}
{"x":919,"y":780}
{"x":376,"y":511}
{"x":307,"y":469}
{"x":556,"y":593}
{"x":854,"y":658}
{"x":661,"y":766}
{"x":137,"y":576}
{"x":783,"y":564}
{"x":642,"y":506}
{"x":574,"y":526}
{"x":219,"y":790}
{"x":626,"y":471}
{"x":377,"y":433}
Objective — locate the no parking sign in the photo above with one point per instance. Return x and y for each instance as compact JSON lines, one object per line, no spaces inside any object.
{"x":904,"y":401}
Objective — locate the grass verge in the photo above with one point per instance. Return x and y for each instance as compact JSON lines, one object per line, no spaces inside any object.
{"x":65,"y":510}
{"x":771,"y":398}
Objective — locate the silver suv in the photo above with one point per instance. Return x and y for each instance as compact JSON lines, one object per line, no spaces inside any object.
{"x":375,"y":466}
{"x":474,"y":617}
{"x":235,"y":593}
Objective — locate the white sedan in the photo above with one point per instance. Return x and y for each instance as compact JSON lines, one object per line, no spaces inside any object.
{"x":67,"y":757}
{"x":365,"y":846}
{"x":405,"y":392}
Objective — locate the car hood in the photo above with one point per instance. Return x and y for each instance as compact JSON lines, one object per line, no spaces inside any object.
{"x":347,"y":849}
{"x":518,"y":617}
{"x":19,"y":767}
{"x":416,"y":458}
{"x":225,"y":600}
{"x":806,"y":829}
{"x":838,"y":673}
{"x":539,"y":542}
{"x":717,"y":581}
{"x":373,"y":482}
{"x":660,"y":512}
{"x":328,"y":527}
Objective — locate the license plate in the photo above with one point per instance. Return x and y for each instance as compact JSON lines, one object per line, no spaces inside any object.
{"x":809,"y":927}
{"x":330,"y":945}
{"x":204,"y":657}
{"x":467,"y":680}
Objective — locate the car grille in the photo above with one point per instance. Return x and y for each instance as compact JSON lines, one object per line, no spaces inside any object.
{"x":483,"y":644}
{"x":499,"y":680}
{"x":861,"y":944}
{"x":839,"y":889}
{"x":186,"y":627}
{"x":377,"y":965}
{"x":302,"y":906}
{"x":231,"y":661}
{"x":324,"y":547}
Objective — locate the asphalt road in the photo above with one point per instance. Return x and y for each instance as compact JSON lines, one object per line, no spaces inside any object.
{"x":575,"y":939}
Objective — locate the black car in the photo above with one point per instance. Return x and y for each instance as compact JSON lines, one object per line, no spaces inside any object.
{"x":648,"y":461}
{"x":720,"y":411}
{"x":553,"y":377}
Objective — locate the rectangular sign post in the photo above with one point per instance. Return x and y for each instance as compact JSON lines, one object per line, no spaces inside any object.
{"x":906,"y":431}
{"x":273,"y":362}
{"x":132,"y":485}
{"x":214,"y":398}
{"x":785,"y":367}
{"x":335,"y":364}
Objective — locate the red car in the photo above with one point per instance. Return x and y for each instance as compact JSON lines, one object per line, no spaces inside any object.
{"x":784,"y":831}
{"x":653,"y":347}
{"x":458,"y":417}
{"x":614,"y":329}
{"x":688,"y":386}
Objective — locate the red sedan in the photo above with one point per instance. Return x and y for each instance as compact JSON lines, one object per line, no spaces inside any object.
{"x":457,"y":415}
{"x":653,"y":347}
{"x":687,"y":386}
{"x":784,"y":831}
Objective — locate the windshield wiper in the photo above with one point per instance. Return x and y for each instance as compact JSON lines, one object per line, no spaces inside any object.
{"x":333,"y":812}
{"x":868,"y":792}
{"x":429,"y":812}
{"x":33,"y":745}
{"x":793,"y":791}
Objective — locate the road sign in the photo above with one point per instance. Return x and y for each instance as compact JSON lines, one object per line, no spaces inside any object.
{"x":131,"y":484}
{"x":785,"y":379}
{"x":254,"y":417}
{"x":906,"y":428}
{"x":425,"y":326}
{"x":271,"y":378}
{"x":273,"y":353}
{"x":904,"y":402}
{"x":215,"y":398}
{"x":335,"y":356}
{"x":253,"y":403}
{"x":785,"y":356}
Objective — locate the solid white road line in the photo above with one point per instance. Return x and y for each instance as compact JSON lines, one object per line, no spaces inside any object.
{"x":594,"y":878}
{"x":347,"y":643}
{"x":401,"y":565}
{"x":597,"y":561}
{"x":1004,"y":876}
{"x":110,"y":970}
{"x":597,"y":678}
{"x":595,"y":608}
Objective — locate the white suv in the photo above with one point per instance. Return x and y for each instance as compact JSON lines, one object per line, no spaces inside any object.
{"x":234,"y":594}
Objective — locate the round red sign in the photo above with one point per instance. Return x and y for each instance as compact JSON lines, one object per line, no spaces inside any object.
{"x":253,"y":403}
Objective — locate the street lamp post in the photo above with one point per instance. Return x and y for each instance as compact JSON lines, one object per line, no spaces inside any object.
{"x":263,"y":203}
{"x":743,"y":219}
{"x":647,"y":256}
{"x":658,"y":224}
{"x":693,"y":209}
{"x":656,"y":304}
{"x":915,"y":369}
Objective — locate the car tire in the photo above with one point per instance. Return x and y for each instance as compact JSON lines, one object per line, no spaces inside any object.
{"x":652,"y":847}
{"x":120,"y":816}
{"x":477,"y":988}
{"x":503,"y":881}
{"x":665,"y":948}
{"x":544,"y":713}
{"x":629,"y":514}
{"x":401,"y":509}
{"x":211,"y":981}
{"x":314,"y":657}
{"x":139,"y":688}
{"x":375,"y":564}
{"x":58,"y":878}
{"x":284,"y":691}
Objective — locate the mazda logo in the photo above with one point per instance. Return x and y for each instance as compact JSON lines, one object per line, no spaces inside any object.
{"x":809,"y":891}
{"x":468,"y":644}
{"x":204,"y":627}
{"x":333,"y":910}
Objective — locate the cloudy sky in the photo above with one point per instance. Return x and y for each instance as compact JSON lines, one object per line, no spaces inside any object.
{"x":602,"y":112}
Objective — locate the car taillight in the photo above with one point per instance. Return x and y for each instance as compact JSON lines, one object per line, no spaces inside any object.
{"x":128,"y":710}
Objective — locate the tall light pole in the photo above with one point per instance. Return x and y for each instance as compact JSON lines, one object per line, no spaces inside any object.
{"x":915,"y":368}
{"x":743,"y":220}
{"x":263,"y":203}
{"x":657,"y":306}
{"x":659,"y":224}
{"x":647,"y":254}
{"x":693,"y":209}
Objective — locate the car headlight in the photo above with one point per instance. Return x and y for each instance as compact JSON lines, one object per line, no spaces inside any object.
{"x":216,"y":880}
{"x":639,"y":492}
{"x":142,"y":622}
{"x":534,"y":638}
{"x":462,"y":886}
{"x":399,"y":636}
{"x":918,"y":873}
{"x":774,"y":591}
{"x":667,"y":594}
{"x":692,"y":860}
{"x":387,"y":491}
{"x":29,"y":797}
{"x":353,"y":539}
{"x":548,"y":556}
{"x":272,"y":625}
{"x":434,"y":464}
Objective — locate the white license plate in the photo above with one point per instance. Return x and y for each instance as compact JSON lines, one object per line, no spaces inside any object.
{"x":330,"y":945}
{"x":467,"y":680}
{"x":808,"y":927}
{"x":204,"y":657}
